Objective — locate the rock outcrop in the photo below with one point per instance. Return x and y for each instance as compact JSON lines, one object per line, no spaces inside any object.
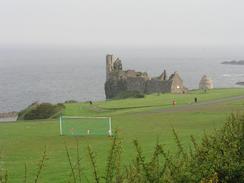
{"x":118,"y":80}
{"x":234,"y":62}
{"x":205,"y":83}
{"x":240,"y":83}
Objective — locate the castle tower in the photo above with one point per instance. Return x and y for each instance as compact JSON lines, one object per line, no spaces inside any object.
{"x":163,"y":76}
{"x":110,"y":59}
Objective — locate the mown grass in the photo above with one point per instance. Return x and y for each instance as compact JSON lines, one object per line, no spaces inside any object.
{"x":23,"y":142}
{"x":101,"y":108}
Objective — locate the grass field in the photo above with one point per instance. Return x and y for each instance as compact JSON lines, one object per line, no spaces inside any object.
{"x":143,"y":119}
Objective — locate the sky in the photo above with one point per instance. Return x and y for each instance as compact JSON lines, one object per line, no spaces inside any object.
{"x":139,"y":23}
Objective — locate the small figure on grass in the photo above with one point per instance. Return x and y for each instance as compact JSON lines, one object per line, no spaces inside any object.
{"x":195,"y":99}
{"x":90,"y":102}
{"x":174,"y":103}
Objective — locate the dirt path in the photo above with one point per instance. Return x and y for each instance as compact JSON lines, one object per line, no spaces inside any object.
{"x":197,"y":106}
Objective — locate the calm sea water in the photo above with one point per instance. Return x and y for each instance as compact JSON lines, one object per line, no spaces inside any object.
{"x":54,"y":76}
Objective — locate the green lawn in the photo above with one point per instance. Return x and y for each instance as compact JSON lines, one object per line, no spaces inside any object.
{"x":106,"y":108}
{"x":22,"y":142}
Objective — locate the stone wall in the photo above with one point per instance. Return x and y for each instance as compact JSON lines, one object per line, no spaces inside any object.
{"x":136,"y":84}
{"x":157,"y":86}
{"x":114,"y":87}
{"x":176,"y":84}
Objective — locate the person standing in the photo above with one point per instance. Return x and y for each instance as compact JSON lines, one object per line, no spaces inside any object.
{"x":195,"y":99}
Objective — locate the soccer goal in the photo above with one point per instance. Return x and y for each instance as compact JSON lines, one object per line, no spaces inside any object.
{"x":79,"y":126}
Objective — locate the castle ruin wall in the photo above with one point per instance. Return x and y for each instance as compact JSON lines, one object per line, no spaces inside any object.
{"x":118,"y":80}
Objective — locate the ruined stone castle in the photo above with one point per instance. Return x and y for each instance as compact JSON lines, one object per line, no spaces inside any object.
{"x":119,"y":80}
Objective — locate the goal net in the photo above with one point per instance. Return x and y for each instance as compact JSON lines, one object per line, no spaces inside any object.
{"x":78,"y":126}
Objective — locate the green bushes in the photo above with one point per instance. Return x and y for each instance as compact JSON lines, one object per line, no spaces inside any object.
{"x":221,"y":154}
{"x":39,"y":168}
{"x":3,"y":171}
{"x":41,"y":111}
{"x":217,"y":158}
{"x":70,"y":101}
{"x":3,"y":176}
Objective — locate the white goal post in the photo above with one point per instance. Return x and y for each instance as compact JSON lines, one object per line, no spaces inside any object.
{"x":81,"y":125}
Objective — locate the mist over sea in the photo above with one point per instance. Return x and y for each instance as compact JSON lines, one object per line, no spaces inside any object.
{"x":57,"y":75}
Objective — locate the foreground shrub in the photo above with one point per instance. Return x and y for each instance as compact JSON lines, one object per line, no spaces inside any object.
{"x":3,"y":172}
{"x":221,"y":153}
{"x":41,"y":111}
{"x":218,"y":158}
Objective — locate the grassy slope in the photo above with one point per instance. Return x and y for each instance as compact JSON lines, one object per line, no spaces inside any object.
{"x":107,"y":108}
{"x":23,"y":142}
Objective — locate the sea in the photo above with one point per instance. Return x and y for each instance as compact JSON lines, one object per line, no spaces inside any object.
{"x":56,"y":75}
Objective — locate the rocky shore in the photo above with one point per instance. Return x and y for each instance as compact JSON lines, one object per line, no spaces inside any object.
{"x":240,"y":83}
{"x":234,"y":62}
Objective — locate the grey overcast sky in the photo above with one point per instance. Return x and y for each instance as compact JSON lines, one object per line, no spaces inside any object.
{"x":122,"y":22}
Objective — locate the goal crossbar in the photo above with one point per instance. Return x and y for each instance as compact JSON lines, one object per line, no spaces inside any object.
{"x":83,"y":117}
